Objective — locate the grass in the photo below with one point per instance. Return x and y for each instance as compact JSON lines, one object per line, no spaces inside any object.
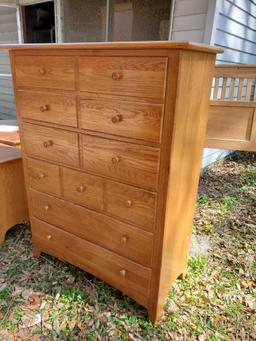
{"x":46,"y":299}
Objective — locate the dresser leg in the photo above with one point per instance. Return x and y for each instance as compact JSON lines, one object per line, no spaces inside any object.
{"x":155,"y":313}
{"x":183,"y":274}
{"x":153,"y":316}
{"x":36,"y":252}
{"x":2,"y":237}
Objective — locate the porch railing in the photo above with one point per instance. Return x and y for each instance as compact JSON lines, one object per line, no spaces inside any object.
{"x":232,"y":113}
{"x":234,"y":83}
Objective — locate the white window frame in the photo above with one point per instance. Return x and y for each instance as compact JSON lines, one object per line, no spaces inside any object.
{"x":58,"y":12}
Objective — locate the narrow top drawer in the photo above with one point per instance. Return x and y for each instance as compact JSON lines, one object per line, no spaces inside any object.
{"x":55,"y":72}
{"x":129,"y":76}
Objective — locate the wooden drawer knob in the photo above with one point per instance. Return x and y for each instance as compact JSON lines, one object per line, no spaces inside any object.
{"x":81,"y":189}
{"x":129,"y":203}
{"x":46,"y":208}
{"x":117,"y":118}
{"x":42,"y":176}
{"x":48,"y":143}
{"x":123,"y":272}
{"x":49,"y":237}
{"x":124,"y":239}
{"x":44,"y":108}
{"x":41,"y":71}
{"x":116,"y":159}
{"x":116,"y":76}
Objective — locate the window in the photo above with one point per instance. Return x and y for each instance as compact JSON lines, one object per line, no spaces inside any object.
{"x":139,"y":20}
{"x":84,"y":20}
{"x":116,"y":20}
{"x":38,"y":23}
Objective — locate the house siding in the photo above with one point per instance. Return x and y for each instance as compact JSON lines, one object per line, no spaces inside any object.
{"x":189,"y":20}
{"x":234,"y":29}
{"x":8,"y":34}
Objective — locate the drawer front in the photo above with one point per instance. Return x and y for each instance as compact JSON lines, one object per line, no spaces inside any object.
{"x":82,"y":188}
{"x":53,"y":72}
{"x":132,"y":204}
{"x":43,"y":176}
{"x":127,"y":162}
{"x":130,"y":76}
{"x":139,"y":121}
{"x":119,"y":237}
{"x":47,"y":108}
{"x":127,"y":276}
{"x":51,"y":144}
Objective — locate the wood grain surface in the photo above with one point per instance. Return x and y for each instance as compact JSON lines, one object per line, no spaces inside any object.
{"x":82,"y":188}
{"x":121,"y":161}
{"x":130,"y":203}
{"x":131,"y":278}
{"x":122,"y":118}
{"x":110,"y":233}
{"x":56,"y":72}
{"x":129,"y":76}
{"x":43,"y":176}
{"x":51,"y":144}
{"x":50,"y":108}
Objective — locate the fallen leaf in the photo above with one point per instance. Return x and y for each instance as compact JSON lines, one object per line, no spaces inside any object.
{"x":172,"y":308}
{"x":206,"y":299}
{"x":3,"y":286}
{"x":26,"y":293}
{"x":250,"y":301}
{"x":34,"y":300}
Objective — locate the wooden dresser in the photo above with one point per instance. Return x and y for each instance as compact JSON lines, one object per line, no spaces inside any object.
{"x":112,"y":136}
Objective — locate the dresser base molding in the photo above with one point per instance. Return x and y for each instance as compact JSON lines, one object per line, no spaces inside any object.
{"x":116,"y":146}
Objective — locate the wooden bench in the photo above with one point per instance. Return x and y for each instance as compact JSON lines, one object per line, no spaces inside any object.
{"x":13,"y":202}
{"x":232,"y":113}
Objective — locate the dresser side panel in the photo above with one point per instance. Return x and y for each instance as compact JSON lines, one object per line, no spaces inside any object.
{"x":12,"y":62}
{"x":189,"y":128}
{"x":165,"y":147}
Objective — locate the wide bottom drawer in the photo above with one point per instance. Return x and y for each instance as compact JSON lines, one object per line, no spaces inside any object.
{"x":121,"y":238}
{"x":131,"y":278}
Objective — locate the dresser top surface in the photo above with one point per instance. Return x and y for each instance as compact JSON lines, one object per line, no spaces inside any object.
{"x":181,"y":45}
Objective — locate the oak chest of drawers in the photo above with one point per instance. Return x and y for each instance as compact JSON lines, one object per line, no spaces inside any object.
{"x":112,"y":136}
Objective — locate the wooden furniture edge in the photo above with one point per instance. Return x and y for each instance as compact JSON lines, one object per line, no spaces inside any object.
{"x":118,"y":45}
{"x":184,"y":171}
{"x":229,"y":103}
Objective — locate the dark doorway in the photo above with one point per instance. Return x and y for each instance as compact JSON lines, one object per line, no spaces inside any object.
{"x":39,"y":23}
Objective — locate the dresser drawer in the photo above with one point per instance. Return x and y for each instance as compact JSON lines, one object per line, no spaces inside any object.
{"x":51,"y":144}
{"x":129,"y":119}
{"x":47,"y":108}
{"x":43,"y":176}
{"x":82,"y":188}
{"x":110,"y":233}
{"x":129,"y":76}
{"x":127,"y":162}
{"x":127,"y":276}
{"x":132,"y":204}
{"x":53,"y":72}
